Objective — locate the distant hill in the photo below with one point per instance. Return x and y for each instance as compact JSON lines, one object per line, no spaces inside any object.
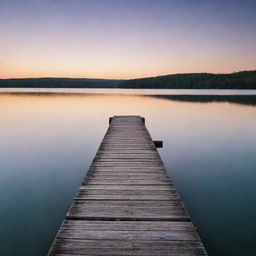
{"x":238,"y":80}
{"x":58,"y":83}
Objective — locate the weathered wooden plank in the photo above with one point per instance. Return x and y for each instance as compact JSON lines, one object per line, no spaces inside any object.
{"x":126,"y":151}
{"x":145,"y":210}
{"x":126,"y":247}
{"x":128,"y":174}
{"x":126,"y":187}
{"x":123,"y":173}
{"x":150,"y":182}
{"x":127,"y":197}
{"x":128,"y":225}
{"x":121,"y":213}
{"x":116,"y":175}
{"x":126,"y":160}
{"x":127,"y":252}
{"x":130,"y":252}
{"x":129,"y":168}
{"x":127,"y":205}
{"x":126,"y":155}
{"x":110,"y":248}
{"x":132,"y":176}
{"x":127,"y":164}
{"x":128,"y":137}
{"x":124,"y":192}
{"x":121,"y":155}
{"x":126,"y":148}
{"x":126,"y":142}
{"x":143,"y":171}
{"x":131,"y":234}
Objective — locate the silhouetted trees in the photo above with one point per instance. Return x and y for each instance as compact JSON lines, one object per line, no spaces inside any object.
{"x":58,"y":83}
{"x":238,"y":80}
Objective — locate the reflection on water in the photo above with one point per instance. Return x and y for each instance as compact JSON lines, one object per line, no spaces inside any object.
{"x":129,"y":91}
{"x":48,"y":142}
{"x":239,"y":99}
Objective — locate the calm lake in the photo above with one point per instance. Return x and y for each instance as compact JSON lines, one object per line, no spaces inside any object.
{"x":48,"y":140}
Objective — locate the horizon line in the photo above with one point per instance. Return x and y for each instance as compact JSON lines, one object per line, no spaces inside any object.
{"x":118,"y":79}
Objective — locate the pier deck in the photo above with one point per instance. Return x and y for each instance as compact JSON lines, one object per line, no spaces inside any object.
{"x":127,"y":204}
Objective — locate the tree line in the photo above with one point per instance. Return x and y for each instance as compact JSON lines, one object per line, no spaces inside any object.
{"x":57,"y":83}
{"x":238,"y":80}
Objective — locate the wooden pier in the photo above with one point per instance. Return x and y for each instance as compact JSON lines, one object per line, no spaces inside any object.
{"x":127,"y":204}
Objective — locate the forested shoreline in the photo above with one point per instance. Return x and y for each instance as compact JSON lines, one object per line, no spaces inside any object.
{"x":238,"y":80}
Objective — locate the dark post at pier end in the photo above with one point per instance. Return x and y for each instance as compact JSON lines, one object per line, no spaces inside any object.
{"x":158,"y":143}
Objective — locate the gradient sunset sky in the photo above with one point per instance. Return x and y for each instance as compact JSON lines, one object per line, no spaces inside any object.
{"x":125,"y":38}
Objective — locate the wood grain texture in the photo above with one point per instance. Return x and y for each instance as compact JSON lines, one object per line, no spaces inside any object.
{"x":127,"y":205}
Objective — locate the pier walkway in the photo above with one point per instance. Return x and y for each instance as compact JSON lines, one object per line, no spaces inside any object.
{"x":127,"y":204}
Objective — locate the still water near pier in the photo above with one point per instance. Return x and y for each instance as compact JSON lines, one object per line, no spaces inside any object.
{"x":49,"y":140}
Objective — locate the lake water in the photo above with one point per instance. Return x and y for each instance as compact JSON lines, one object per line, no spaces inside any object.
{"x":48,"y":140}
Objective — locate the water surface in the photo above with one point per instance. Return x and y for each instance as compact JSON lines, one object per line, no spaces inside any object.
{"x":49,"y":140}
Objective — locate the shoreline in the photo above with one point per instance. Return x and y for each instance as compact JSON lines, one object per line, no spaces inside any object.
{"x":130,"y":91}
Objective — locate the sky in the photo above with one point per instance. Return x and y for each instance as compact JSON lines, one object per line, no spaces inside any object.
{"x":125,"y":38}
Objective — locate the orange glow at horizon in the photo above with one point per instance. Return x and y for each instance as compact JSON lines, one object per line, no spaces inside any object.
{"x":112,"y":73}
